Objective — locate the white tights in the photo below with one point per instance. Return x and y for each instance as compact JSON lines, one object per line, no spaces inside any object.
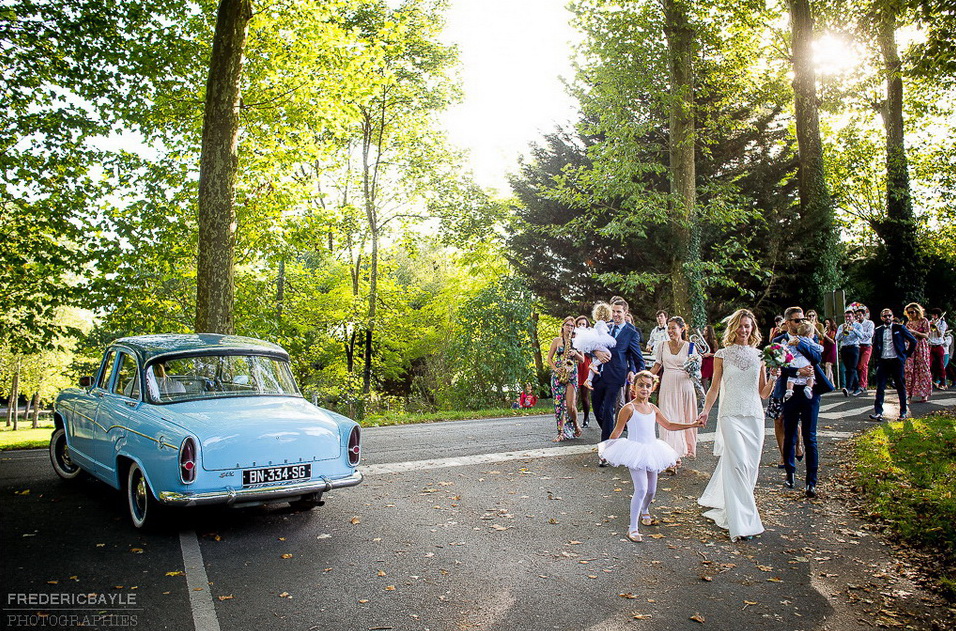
{"x":645,"y":486}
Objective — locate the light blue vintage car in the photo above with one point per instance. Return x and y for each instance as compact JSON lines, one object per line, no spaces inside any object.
{"x":186,"y":420}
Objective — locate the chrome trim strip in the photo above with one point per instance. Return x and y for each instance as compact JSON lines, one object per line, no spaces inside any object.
{"x":260,"y":493}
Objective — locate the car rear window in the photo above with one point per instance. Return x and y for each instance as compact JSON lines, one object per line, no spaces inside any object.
{"x":217,"y":376}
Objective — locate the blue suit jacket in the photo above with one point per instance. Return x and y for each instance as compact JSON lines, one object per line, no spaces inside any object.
{"x":625,"y":357}
{"x":903,"y":341}
{"x":821,"y":385}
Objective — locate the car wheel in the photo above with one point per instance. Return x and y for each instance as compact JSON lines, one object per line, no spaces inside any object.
{"x":143,"y":508}
{"x":307,"y":502}
{"x":60,"y":456}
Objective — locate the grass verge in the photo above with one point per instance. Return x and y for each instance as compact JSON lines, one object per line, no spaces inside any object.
{"x":36,"y":438}
{"x":25,"y":437}
{"x":377,"y":420}
{"x":907,"y":472}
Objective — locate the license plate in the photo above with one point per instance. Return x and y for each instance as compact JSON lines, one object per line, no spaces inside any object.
{"x":270,"y":475}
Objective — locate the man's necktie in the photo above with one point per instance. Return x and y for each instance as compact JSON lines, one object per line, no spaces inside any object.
{"x":614,"y":331}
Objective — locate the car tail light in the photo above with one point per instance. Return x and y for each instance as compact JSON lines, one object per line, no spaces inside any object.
{"x":187,"y":461}
{"x":355,"y":448}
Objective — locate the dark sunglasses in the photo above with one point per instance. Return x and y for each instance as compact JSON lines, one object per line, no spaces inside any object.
{"x":798,"y":319}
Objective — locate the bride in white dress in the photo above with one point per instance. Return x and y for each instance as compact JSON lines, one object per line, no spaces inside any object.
{"x":741,"y":381}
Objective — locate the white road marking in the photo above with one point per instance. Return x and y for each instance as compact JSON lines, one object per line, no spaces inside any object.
{"x":547,"y":452}
{"x":200,"y":597}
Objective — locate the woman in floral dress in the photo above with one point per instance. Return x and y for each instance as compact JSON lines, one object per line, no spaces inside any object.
{"x":563,"y":360}
{"x":919,"y":381}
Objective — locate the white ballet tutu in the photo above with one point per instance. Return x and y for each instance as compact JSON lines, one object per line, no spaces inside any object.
{"x":653,"y":456}
{"x":587,"y":339}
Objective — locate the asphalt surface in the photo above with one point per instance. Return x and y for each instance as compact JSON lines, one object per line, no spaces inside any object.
{"x":462,"y":525}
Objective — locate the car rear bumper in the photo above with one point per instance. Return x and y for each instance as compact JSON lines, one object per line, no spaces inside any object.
{"x":263,"y":493}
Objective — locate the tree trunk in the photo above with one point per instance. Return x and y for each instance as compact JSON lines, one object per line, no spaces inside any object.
{"x":898,"y":229}
{"x":218,"y":167}
{"x":13,"y":408}
{"x":685,"y":267}
{"x":36,"y":410}
{"x":536,"y":345}
{"x":280,"y":290}
{"x":372,"y":312}
{"x":373,"y":134}
{"x":819,"y":262}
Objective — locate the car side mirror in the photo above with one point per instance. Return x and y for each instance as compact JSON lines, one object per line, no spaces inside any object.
{"x":86,"y":382}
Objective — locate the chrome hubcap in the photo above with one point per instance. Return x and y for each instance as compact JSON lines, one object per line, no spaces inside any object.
{"x":140,"y":495}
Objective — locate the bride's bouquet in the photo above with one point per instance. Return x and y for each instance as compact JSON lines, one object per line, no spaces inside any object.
{"x":776,"y":356}
{"x":692,"y":368}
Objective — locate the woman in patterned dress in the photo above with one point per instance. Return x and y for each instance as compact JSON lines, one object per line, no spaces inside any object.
{"x":919,"y":381}
{"x":563,"y":360}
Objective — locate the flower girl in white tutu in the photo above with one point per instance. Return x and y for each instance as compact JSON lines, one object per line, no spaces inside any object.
{"x":599,"y":338}
{"x":642,"y":452}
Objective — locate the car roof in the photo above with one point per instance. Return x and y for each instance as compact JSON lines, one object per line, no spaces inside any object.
{"x":147,"y":347}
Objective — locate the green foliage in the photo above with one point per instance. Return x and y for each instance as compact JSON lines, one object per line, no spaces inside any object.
{"x":492,"y":350}
{"x":75,"y":71}
{"x":603,"y":198}
{"x":907,"y":472}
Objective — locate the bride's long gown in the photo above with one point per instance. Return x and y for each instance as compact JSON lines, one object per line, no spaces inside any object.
{"x":739,"y":443}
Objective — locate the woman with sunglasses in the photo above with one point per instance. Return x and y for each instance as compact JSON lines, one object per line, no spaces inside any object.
{"x":919,"y":381}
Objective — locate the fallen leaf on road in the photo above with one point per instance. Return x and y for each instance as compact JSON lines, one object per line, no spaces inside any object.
{"x":641,"y":616}
{"x":381,"y":572}
{"x":286,"y":556}
{"x":774,"y":580}
{"x":356,"y":520}
{"x":390,"y":588}
{"x":698,"y":618}
{"x":136,"y":550}
{"x":176,"y":573}
{"x":285,"y":595}
{"x":628,"y":595}
{"x":229,"y":597}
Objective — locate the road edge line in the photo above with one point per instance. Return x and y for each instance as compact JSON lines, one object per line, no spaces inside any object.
{"x":200,"y":597}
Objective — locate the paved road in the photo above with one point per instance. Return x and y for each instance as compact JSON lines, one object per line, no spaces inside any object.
{"x":459,"y":525}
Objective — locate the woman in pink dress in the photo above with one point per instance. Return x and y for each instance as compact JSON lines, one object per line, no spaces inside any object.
{"x":919,"y":381}
{"x":583,"y":368}
{"x":677,"y":398}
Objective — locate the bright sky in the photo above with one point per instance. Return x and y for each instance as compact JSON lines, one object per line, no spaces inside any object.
{"x":513,"y":54}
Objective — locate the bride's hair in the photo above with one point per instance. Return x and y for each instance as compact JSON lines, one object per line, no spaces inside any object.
{"x":733,"y":324}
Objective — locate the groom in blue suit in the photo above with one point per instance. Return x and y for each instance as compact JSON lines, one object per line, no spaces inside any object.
{"x":800,"y":412}
{"x":619,"y":368}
